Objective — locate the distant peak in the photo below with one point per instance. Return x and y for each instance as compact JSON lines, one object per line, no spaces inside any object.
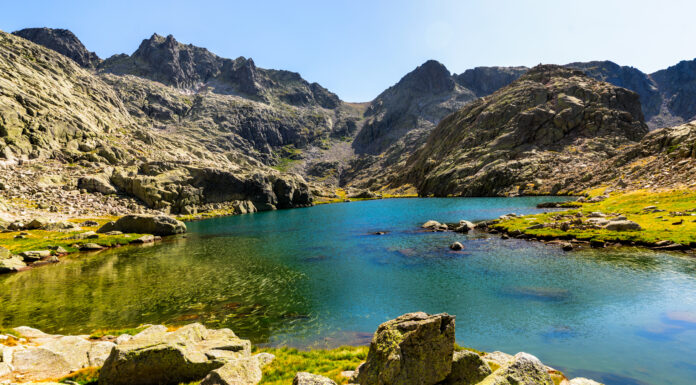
{"x":431,"y":76}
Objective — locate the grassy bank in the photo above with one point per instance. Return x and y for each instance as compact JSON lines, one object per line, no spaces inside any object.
{"x":662,"y":215}
{"x":43,"y":239}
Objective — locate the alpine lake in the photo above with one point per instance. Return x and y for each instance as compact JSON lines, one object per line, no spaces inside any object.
{"x":319,"y":277}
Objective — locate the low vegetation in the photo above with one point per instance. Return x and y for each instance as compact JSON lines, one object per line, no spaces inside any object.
{"x":328,"y":363}
{"x":663,"y":216}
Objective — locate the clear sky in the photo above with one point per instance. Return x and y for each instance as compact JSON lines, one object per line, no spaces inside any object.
{"x":358,"y":48}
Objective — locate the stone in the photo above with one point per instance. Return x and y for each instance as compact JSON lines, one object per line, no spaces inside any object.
{"x":89,"y":224}
{"x":583,"y":381}
{"x":91,"y":247}
{"x":304,"y":378}
{"x":624,"y":225}
{"x":415,"y":348}
{"x":37,"y":362}
{"x":61,"y":226}
{"x":96,"y":183}
{"x":36,"y":224}
{"x":145,"y":224}
{"x":468,"y":368}
{"x":464,"y":226}
{"x":29,"y":332}
{"x":99,"y":352}
{"x":147,"y":238}
{"x":567,"y":246}
{"x":456,"y":246}
{"x":72,"y":348}
{"x":431,"y":224}
{"x":499,"y":358}
{"x":4,"y":369}
{"x":264,"y":359}
{"x":155,"y":356}
{"x":242,"y":371}
{"x":12,"y":264}
{"x":523,"y":369}
{"x":34,"y":255}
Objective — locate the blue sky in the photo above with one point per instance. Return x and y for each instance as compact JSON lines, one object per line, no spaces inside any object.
{"x":359,"y":48}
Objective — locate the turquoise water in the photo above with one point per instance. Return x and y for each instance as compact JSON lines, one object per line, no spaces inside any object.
{"x":317,"y":277}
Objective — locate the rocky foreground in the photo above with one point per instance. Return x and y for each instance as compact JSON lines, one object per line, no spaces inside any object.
{"x":413,"y":349}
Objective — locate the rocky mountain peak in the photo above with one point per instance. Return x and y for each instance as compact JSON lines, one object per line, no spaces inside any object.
{"x":430,"y":77}
{"x":486,"y":80}
{"x":62,"y":41}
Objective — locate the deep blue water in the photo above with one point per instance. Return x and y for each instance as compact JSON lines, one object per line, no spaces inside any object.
{"x":318,"y":277}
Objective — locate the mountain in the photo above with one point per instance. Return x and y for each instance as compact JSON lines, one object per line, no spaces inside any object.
{"x":398,"y":121}
{"x":61,"y":41}
{"x":66,"y":129}
{"x":526,"y":137}
{"x":667,"y":96}
{"x":165,"y":60}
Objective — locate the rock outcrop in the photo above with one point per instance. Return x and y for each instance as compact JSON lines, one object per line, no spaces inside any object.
{"x":523,"y":369}
{"x":304,"y":378}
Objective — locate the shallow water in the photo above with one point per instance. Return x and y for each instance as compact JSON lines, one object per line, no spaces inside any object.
{"x":316,"y":277}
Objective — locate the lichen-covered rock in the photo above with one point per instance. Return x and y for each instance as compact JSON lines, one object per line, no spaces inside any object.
{"x":242,"y":371}
{"x":415,"y":348}
{"x":145,"y":224}
{"x":304,"y":378}
{"x":523,"y":369}
{"x":155,"y":356}
{"x":468,"y":368}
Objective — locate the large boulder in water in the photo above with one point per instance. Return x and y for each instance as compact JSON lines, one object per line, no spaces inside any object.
{"x":415,"y":348}
{"x":523,"y":369}
{"x":155,"y":356}
{"x":145,"y":224}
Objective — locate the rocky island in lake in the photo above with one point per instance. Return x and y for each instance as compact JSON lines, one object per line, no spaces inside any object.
{"x":178,"y":214}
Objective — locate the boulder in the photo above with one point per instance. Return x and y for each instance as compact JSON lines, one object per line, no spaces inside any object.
{"x":99,"y":352}
{"x":468,"y":368}
{"x":155,"y":356}
{"x":264,"y":358}
{"x":523,"y":369}
{"x":73,"y":349}
{"x":37,"y":362}
{"x":96,"y":183}
{"x":431,"y":224}
{"x":583,"y":381}
{"x":60,"y":226}
{"x":145,"y":224}
{"x":38,"y":223}
{"x":499,"y":358}
{"x":12,"y":264}
{"x":464,"y":227}
{"x":304,"y":378}
{"x":91,"y":247}
{"x":147,"y":238}
{"x":415,"y":348}
{"x":34,"y":255}
{"x":456,"y":246}
{"x":243,"y":371}
{"x":623,"y":226}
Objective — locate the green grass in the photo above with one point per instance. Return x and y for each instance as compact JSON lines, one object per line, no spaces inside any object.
{"x":656,"y":226}
{"x":206,"y":215}
{"x":328,"y":363}
{"x":42,"y":240}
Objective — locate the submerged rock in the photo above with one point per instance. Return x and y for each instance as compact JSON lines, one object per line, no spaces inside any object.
{"x":456,"y":246}
{"x":415,"y":348}
{"x":12,"y":264}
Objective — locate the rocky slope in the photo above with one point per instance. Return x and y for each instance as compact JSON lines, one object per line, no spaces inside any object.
{"x":664,"y":158}
{"x":526,"y":137}
{"x":64,"y":128}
